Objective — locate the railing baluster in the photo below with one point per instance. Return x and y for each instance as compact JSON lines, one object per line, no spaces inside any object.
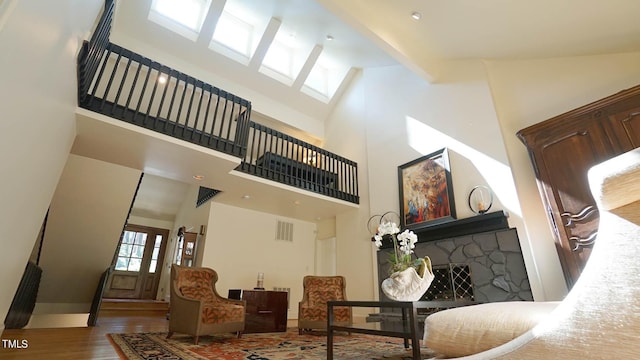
{"x":263,"y":164}
{"x":133,"y":87}
{"x":95,"y":86}
{"x":173,"y":99}
{"x":142,"y":93}
{"x":153,"y":93}
{"x":250,"y":152}
{"x":206,"y":116}
{"x":223,"y":119}
{"x":344,"y":176}
{"x":164,"y":94}
{"x":355,"y":181}
{"x":215,"y":117}
{"x":184,"y":92}
{"x":124,"y":78}
{"x":195,"y":124}
{"x":232,"y":119}
{"x":193,"y":93}
{"x":113,"y":74}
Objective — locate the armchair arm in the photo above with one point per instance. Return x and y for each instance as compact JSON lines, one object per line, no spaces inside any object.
{"x":226,"y":300}
{"x":185,"y":314}
{"x":232,"y":301}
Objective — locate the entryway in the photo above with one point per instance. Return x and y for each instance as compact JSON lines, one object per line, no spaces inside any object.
{"x":137,"y":263}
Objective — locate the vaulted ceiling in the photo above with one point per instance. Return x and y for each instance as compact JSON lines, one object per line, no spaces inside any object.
{"x":492,"y":29}
{"x":370,"y":33}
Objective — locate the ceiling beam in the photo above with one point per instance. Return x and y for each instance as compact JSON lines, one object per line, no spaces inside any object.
{"x":265,"y":41}
{"x":351,"y":13}
{"x":307,"y":67}
{"x":210,"y":22}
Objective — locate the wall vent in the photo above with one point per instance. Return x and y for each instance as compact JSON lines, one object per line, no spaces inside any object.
{"x":284,"y":230}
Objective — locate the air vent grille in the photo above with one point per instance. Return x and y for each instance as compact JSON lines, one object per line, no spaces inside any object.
{"x":284,"y":231}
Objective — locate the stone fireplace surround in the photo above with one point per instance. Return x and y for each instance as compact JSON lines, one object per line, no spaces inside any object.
{"x":486,"y":244}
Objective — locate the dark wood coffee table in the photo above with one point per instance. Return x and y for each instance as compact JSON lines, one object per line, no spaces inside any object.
{"x":409,"y":329}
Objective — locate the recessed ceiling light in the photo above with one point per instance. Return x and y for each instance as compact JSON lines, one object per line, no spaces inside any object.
{"x":416,"y":15}
{"x":162,"y":79}
{"x":329,"y":37}
{"x":246,"y":197}
{"x":198,"y":177}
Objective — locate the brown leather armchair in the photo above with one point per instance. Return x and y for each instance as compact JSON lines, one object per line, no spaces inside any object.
{"x":312,"y":310}
{"x":195,"y":308}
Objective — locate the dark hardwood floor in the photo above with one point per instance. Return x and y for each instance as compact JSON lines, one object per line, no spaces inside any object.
{"x":80,"y":343}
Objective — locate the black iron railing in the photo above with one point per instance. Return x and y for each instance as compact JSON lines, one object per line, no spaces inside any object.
{"x":24,"y":300}
{"x":92,"y":51}
{"x":277,"y":156}
{"x":122,"y":84}
{"x":138,"y":90}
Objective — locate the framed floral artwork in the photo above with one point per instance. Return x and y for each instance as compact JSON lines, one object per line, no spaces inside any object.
{"x":426,"y":193}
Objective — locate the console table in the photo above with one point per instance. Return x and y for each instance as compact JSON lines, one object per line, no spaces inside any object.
{"x":266,"y":310}
{"x":408,"y":331}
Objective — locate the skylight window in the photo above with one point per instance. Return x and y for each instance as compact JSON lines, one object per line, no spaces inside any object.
{"x":235,"y":34}
{"x":286,"y":55}
{"x":318,"y":79}
{"x":325,"y":78}
{"x":184,"y":17}
{"x":279,"y":57}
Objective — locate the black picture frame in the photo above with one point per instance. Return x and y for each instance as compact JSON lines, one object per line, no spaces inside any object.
{"x":426,"y":191}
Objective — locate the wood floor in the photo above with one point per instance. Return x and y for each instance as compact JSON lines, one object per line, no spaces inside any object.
{"x":80,"y":343}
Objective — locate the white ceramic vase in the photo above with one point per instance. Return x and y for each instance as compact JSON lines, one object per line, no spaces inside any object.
{"x":409,"y":284}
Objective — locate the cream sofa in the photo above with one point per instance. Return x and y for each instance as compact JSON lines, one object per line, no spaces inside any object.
{"x":599,"y":318}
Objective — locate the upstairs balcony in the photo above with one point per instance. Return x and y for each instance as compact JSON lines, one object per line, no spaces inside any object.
{"x":121,"y":84}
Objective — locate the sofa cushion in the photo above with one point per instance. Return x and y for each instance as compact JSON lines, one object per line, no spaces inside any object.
{"x":472,"y":329}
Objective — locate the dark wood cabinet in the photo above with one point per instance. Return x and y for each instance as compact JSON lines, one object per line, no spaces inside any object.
{"x":562,"y":150}
{"x":266,"y":310}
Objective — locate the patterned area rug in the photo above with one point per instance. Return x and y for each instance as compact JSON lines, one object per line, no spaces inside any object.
{"x":268,"y":346}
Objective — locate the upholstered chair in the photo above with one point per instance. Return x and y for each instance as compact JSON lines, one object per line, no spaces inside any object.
{"x":312,"y":310}
{"x":196,"y":308}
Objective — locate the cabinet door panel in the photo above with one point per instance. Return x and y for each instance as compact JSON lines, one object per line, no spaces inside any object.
{"x":565,"y":161}
{"x":626,"y":128}
{"x":562,"y":150}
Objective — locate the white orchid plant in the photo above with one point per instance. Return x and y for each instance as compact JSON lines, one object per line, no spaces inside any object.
{"x":403,"y":245}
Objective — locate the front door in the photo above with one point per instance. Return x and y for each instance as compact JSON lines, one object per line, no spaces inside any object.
{"x":137,"y":264}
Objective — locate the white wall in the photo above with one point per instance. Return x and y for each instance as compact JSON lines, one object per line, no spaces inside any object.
{"x":346,"y":132}
{"x":40,"y":40}
{"x":401,"y":118}
{"x":242,"y":243}
{"x":88,"y":211}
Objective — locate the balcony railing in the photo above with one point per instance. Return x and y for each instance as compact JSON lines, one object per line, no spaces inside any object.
{"x":122,"y":84}
{"x":138,"y":90}
{"x":279,"y":157}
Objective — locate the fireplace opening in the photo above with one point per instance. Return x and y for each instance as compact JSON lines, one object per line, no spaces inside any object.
{"x":451,"y":282}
